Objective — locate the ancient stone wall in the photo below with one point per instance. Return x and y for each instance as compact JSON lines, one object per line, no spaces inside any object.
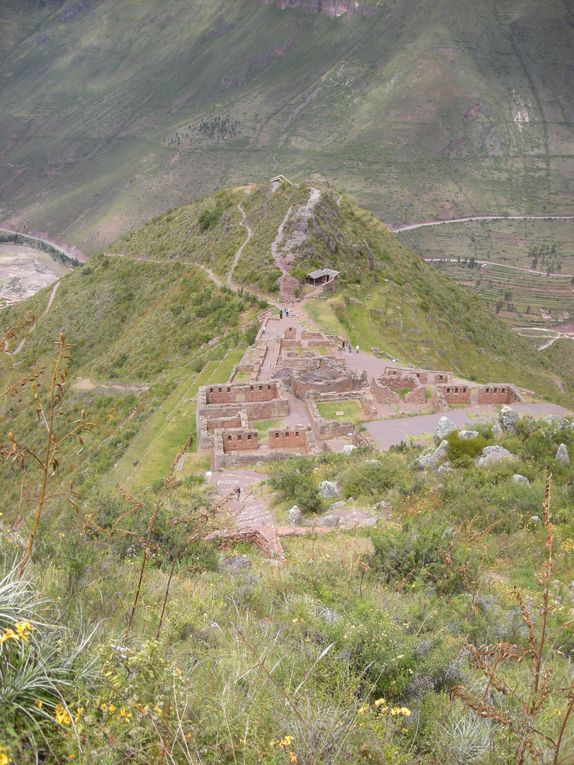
{"x":455,"y":393}
{"x":289,"y":438}
{"x":228,"y":394}
{"x":240,"y":440}
{"x":498,"y":393}
{"x":416,"y":396}
{"x":290,"y":333}
{"x":404,"y":377}
{"x":383,"y":394}
{"x":327,"y":376}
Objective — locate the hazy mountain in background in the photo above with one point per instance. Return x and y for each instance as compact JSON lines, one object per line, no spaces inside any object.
{"x":110,"y":112}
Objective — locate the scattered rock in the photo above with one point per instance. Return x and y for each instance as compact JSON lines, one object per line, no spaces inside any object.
{"x":372,"y":462}
{"x":493,"y":455}
{"x":237,"y":564}
{"x":497,"y":431}
{"x":554,"y":420}
{"x":444,"y":427}
{"x":328,"y":615}
{"x":562,"y":456}
{"x":468,"y":435}
{"x":430,"y":461}
{"x":535,"y":518}
{"x":330,"y":521}
{"x":328,"y":489}
{"x":337,"y":505}
{"x":446,"y":467}
{"x":349,"y":448}
{"x":294,"y":516}
{"x":508,"y":419}
{"x":521,"y":479}
{"x":382,"y":506}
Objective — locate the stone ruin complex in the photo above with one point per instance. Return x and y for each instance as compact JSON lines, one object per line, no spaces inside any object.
{"x":286,"y":377}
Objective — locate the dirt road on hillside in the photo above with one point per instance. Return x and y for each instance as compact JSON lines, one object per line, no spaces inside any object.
{"x":470,"y":219}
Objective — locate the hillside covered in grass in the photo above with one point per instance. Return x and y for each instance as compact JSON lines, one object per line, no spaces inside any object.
{"x":113,"y":111}
{"x":386,"y":297}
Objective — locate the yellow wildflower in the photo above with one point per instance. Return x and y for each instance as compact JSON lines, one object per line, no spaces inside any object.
{"x":400,"y":712}
{"x":39,"y":703}
{"x":362,"y":710}
{"x":24,"y":629}
{"x":62,"y":716}
{"x":111,"y":708}
{"x":293,"y":757}
{"x":158,"y":710}
{"x":79,"y":713}
{"x":8,"y":634}
{"x":380,"y":703}
{"x":124,"y":713}
{"x":5,"y":758}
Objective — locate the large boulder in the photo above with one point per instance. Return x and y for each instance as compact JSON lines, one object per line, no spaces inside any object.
{"x":444,"y":427}
{"x":493,"y":455}
{"x":562,"y":456}
{"x":522,"y":480}
{"x":330,"y":521}
{"x":431,"y":461}
{"x":294,"y":516}
{"x":508,"y":419}
{"x":349,"y":448}
{"x":329,"y":489}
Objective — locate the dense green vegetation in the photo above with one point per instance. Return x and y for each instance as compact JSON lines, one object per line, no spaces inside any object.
{"x":359,"y":651}
{"x":112,"y":112}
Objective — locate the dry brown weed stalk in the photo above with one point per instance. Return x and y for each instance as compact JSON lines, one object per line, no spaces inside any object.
{"x":523,"y":713}
{"x":48,"y":396}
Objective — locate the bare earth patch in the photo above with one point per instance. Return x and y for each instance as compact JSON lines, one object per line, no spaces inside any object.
{"x":24,"y":271}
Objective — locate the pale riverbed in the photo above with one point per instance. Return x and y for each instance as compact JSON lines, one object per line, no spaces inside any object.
{"x":24,"y":271}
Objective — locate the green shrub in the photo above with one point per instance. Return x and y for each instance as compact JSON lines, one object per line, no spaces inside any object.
{"x":464,"y":450}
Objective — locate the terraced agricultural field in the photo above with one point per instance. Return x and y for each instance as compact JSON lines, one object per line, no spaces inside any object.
{"x":524,"y":269}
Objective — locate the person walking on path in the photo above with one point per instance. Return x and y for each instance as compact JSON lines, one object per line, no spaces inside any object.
{"x":280,"y":313}
{"x":357,"y":349}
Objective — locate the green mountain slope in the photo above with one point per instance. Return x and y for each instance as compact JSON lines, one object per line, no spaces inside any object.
{"x":145,"y":335}
{"x":387,"y":297}
{"x":111,"y":112}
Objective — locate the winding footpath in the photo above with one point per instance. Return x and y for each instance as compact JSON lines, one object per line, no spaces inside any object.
{"x":470,"y":219}
{"x":22,"y":342}
{"x":245,"y":223}
{"x":501,"y":265}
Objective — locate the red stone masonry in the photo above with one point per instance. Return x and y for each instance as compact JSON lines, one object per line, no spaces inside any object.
{"x":252,"y":392}
{"x":498,"y":393}
{"x":455,"y":393}
{"x":240,"y":440}
{"x":288,"y":438}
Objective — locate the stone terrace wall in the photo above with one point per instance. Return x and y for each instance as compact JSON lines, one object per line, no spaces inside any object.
{"x":416,"y":396}
{"x":330,"y":377}
{"x":404,"y":377}
{"x":455,"y":394}
{"x":229,"y":394}
{"x":498,"y":393}
{"x":240,"y":440}
{"x":327,"y":429}
{"x":290,"y":438}
{"x":382,"y":393}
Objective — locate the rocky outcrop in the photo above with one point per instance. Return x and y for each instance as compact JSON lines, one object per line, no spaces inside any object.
{"x":492,"y":455}
{"x":468,"y":435}
{"x":562,"y":456}
{"x":430,"y":461}
{"x":508,"y":419}
{"x":444,"y":427}
{"x":522,"y":480}
{"x":329,"y":489}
